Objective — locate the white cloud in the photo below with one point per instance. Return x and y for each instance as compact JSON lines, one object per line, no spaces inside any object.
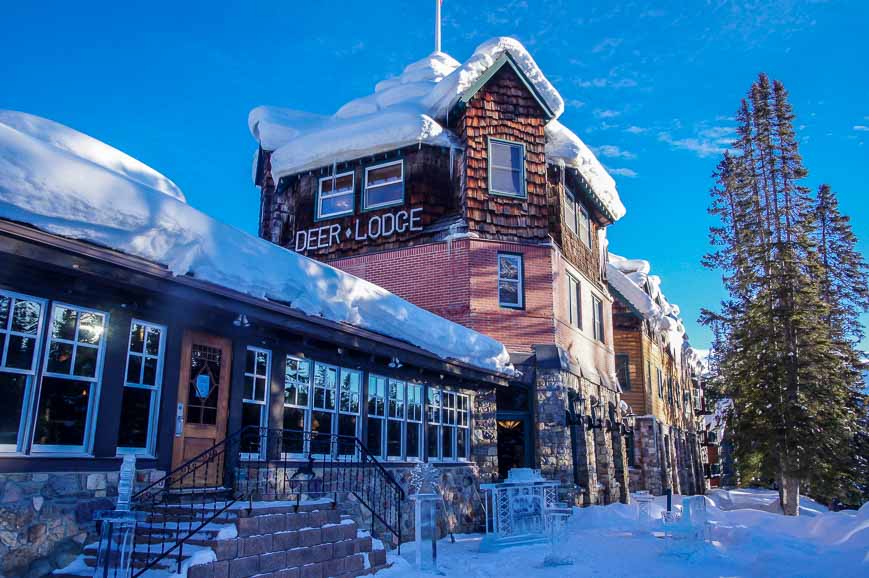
{"x":606,"y":113}
{"x":635,"y":129}
{"x":707,"y":141}
{"x":623,"y":172}
{"x":861,"y":128}
{"x":574,"y":103}
{"x":702,"y":148}
{"x":607,"y":45}
{"x":613,"y":152}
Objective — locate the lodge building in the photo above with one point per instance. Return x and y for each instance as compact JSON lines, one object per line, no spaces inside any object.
{"x":432,"y":285}
{"x":455,"y":187}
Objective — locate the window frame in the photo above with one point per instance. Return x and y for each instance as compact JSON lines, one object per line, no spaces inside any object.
{"x":598,"y":321}
{"x":306,"y":408}
{"x":455,"y":427}
{"x":365,"y":187}
{"x":149,"y":451}
{"x":626,"y":386}
{"x":26,"y":420}
{"x":574,"y":299}
{"x":91,"y":416}
{"x":264,"y":403}
{"x":520,"y":281}
{"x":660,"y":382}
{"x":318,"y":207}
{"x":491,"y":165}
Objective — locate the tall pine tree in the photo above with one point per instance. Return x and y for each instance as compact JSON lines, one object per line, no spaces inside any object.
{"x":776,"y":352}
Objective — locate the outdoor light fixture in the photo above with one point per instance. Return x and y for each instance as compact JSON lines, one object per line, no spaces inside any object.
{"x":241,"y":321}
{"x":395,"y":363}
{"x":594,"y":420}
{"x":576,"y":403}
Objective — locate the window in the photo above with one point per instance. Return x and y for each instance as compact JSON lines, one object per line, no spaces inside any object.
{"x":21,"y":319}
{"x":660,"y":383}
{"x":335,"y":197}
{"x":394,"y":418}
{"x":70,"y":383}
{"x":574,"y":301}
{"x":510,"y":285}
{"x":506,"y":168}
{"x":324,"y":402}
{"x":576,"y":217}
{"x":597,"y":318}
{"x":140,"y":403}
{"x":297,"y":389}
{"x":255,"y":397}
{"x":448,"y":417}
{"x":384,"y":186}
{"x":623,"y":371}
{"x":376,"y":413}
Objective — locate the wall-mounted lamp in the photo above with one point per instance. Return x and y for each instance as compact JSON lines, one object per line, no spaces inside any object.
{"x":241,"y":321}
{"x":395,"y":363}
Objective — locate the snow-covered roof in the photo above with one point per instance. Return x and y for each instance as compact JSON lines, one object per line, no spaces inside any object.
{"x":632,"y":280}
{"x":47,"y":181}
{"x":90,"y":150}
{"x":412,"y":108}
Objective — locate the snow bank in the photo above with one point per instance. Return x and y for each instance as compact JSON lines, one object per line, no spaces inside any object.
{"x":59,"y":191}
{"x":611,"y":541}
{"x":89,"y":149}
{"x":412,"y":108}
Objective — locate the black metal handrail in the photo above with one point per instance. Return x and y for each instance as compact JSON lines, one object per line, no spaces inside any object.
{"x":180,"y":504}
{"x":256,"y":464}
{"x":296,"y":465}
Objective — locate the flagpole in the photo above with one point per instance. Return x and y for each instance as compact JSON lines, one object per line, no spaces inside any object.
{"x":438,"y":25}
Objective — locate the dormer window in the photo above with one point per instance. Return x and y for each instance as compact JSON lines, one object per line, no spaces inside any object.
{"x":335,"y":198}
{"x":576,"y":217}
{"x":384,"y":186}
{"x":506,"y":168}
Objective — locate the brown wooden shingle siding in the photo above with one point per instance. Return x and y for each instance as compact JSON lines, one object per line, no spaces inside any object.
{"x":504,"y":109}
{"x":427,"y":186}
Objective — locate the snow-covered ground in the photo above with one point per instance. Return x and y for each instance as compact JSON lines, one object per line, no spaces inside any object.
{"x":747,"y":539}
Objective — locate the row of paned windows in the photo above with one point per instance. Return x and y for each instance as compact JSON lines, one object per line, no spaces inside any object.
{"x":50,"y":402}
{"x":326,"y":399}
{"x":383,"y":187}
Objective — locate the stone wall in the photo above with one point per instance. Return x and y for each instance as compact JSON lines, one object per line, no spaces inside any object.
{"x":47,"y":518}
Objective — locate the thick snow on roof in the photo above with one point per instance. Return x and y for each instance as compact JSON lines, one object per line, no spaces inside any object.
{"x":448,"y":92}
{"x":412,"y":108}
{"x":563,"y":145}
{"x":89,"y":149}
{"x":631,"y":278}
{"x":60,"y":191}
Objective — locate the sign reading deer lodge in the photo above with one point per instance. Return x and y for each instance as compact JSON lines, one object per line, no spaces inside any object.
{"x":360,"y":229}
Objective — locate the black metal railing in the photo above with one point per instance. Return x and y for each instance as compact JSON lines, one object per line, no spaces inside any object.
{"x":175,"y":508}
{"x":254,"y":464}
{"x":300,"y":466}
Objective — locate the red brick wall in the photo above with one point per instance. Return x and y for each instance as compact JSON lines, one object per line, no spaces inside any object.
{"x":460,"y":282}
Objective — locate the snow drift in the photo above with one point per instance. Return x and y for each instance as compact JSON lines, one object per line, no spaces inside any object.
{"x":96,"y":194}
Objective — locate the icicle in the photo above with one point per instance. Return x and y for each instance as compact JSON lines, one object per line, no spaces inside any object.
{"x":452,"y":160}
{"x":334,"y":174}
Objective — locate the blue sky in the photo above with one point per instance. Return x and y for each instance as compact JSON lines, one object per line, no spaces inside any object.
{"x":652,"y":87}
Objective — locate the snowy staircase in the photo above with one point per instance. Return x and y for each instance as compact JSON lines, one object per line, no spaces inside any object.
{"x":163,"y":527}
{"x":268,"y":539}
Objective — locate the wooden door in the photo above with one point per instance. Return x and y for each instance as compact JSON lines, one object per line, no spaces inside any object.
{"x":203,"y":397}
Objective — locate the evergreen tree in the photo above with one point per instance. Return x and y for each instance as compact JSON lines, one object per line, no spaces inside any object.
{"x":845,"y":290}
{"x":776,"y":354}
